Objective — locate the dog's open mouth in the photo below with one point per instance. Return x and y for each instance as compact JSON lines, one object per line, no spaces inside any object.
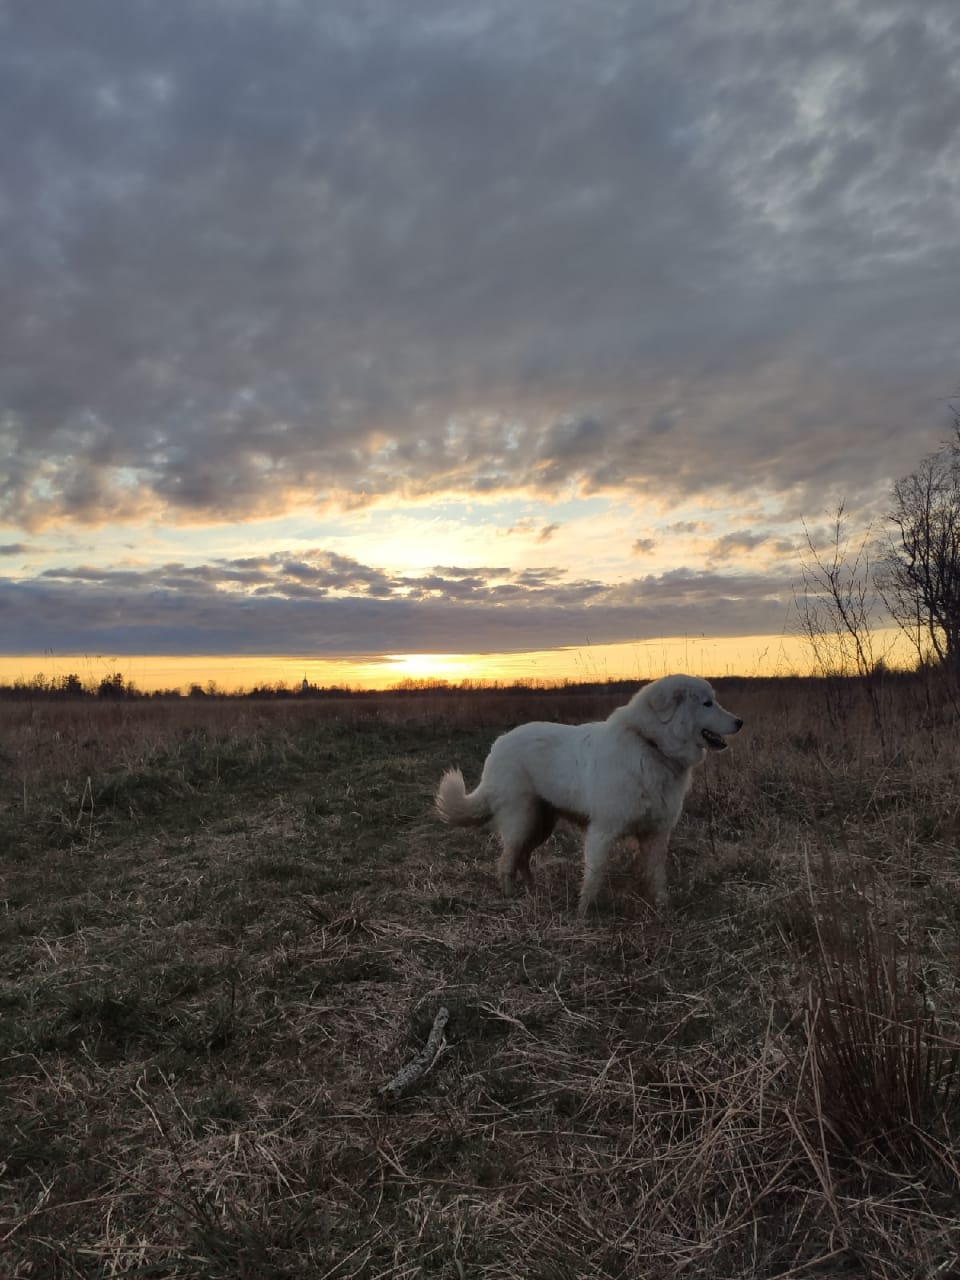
{"x":713,"y":740}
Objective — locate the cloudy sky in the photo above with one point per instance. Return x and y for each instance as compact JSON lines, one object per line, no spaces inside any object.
{"x":344,"y":330}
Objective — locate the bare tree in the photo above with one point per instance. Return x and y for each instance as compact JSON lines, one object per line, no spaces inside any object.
{"x":836,"y":607}
{"x":920,"y":579}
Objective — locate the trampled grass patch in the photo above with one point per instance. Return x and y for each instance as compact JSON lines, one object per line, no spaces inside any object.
{"x":226,"y":928}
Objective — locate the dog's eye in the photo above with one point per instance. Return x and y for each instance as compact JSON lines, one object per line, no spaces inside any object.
{"x":708,"y":702}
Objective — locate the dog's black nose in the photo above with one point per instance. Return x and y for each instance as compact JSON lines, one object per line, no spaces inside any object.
{"x":739,"y":725}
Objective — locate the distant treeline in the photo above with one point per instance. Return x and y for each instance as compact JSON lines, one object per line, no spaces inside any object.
{"x":117,"y":688}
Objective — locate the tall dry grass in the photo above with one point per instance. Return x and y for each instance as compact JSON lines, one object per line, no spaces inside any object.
{"x":226,"y":925}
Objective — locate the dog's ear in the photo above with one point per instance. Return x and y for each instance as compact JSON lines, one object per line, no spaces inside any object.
{"x":664,"y":703}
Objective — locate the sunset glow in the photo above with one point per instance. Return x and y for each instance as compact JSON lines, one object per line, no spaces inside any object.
{"x":711,"y":658}
{"x":362,"y":346}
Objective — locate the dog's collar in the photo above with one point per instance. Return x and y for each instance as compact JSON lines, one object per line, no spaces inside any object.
{"x":675,"y":766}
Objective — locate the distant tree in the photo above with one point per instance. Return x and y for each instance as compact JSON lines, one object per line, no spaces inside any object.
{"x":112,"y":686}
{"x":422,"y":684}
{"x":920,"y":579}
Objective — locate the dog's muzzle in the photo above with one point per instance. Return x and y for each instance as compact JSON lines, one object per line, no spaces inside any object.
{"x":713,"y":740}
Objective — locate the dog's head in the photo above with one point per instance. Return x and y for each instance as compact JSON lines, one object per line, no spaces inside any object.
{"x":682,"y":716}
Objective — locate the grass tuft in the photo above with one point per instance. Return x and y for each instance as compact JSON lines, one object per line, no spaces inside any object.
{"x":882,"y":1067}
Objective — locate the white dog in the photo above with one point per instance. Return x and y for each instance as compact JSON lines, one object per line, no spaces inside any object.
{"x":623,"y":776}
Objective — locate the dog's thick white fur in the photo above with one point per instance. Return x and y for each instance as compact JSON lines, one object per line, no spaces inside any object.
{"x":625,"y":776}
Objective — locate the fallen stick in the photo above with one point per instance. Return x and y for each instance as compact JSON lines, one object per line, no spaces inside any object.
{"x":418,"y":1066}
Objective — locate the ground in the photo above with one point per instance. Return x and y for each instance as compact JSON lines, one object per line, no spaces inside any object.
{"x":227,"y":926}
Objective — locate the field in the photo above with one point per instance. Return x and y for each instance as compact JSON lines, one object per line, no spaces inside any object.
{"x":228,"y":925}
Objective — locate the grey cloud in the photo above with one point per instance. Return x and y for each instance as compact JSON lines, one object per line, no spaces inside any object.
{"x":462,"y":588}
{"x":104,"y":577}
{"x":537,"y":578}
{"x":643,"y":546}
{"x":314,"y":573}
{"x":786,"y":546}
{"x":325,"y":252}
{"x":329,"y":571}
{"x":454,"y":571}
{"x":731,"y":544}
{"x":529,"y":526}
{"x":198,"y":609}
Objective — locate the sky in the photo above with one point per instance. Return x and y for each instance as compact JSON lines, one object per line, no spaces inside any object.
{"x":385,"y":340}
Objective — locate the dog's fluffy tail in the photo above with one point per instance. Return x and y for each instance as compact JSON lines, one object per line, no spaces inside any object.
{"x":456,"y":807}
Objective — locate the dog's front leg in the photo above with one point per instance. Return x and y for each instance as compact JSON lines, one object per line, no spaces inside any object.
{"x":596,"y":851}
{"x":656,"y":870}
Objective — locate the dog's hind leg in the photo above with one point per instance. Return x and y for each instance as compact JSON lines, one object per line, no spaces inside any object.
{"x":514,"y":861}
{"x":520,"y":837}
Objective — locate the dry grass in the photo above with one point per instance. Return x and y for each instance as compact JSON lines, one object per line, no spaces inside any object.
{"x":225,"y":926}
